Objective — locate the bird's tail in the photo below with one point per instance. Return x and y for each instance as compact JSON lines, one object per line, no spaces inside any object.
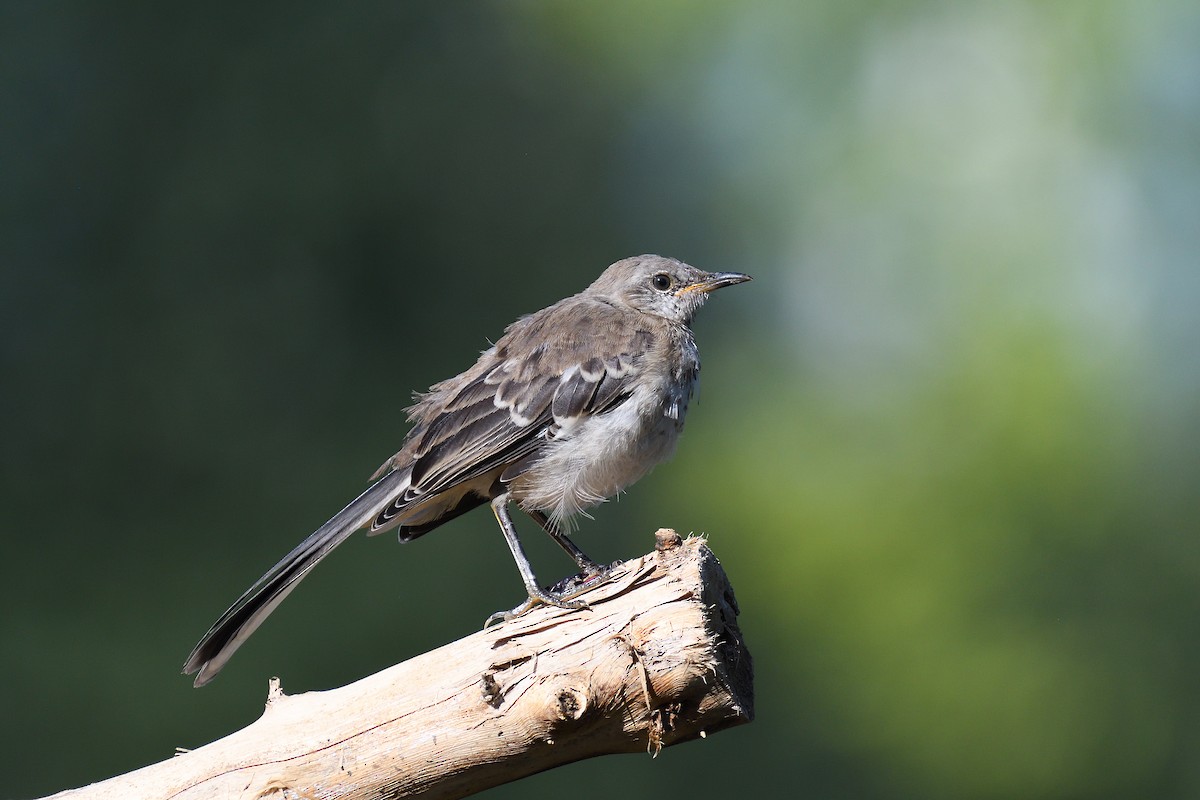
{"x":243,"y":617}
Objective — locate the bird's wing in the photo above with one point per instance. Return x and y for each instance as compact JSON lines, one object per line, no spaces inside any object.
{"x":520,"y":394}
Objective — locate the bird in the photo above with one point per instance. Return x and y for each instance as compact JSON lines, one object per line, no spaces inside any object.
{"x":572,"y":405}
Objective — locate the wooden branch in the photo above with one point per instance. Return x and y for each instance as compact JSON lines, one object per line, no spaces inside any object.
{"x":657,"y":659}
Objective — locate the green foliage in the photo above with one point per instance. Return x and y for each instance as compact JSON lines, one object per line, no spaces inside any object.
{"x":945,"y":445}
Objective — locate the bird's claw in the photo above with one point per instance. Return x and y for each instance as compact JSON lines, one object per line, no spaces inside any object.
{"x":559,"y":595}
{"x":538,"y":598}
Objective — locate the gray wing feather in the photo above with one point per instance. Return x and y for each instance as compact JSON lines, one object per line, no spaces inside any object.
{"x":502,"y":412}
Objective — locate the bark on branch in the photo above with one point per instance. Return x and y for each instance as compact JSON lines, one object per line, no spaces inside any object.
{"x":658,"y":659}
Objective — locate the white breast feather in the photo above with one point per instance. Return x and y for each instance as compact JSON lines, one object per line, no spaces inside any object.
{"x":591,"y":459}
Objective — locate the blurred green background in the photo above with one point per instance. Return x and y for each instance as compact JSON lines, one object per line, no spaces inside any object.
{"x":946,"y":445}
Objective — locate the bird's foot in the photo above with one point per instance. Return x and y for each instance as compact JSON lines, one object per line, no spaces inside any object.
{"x":559,"y":595}
{"x":538,"y":597}
{"x":592,"y":575}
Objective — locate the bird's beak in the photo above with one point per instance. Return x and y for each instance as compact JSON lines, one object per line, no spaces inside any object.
{"x":715,"y":280}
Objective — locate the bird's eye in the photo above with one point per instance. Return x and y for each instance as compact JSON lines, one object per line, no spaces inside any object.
{"x":661,"y":281}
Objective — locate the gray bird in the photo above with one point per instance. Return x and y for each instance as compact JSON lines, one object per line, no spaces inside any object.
{"x":573,"y":404}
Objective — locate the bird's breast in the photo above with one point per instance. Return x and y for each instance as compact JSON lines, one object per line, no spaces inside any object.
{"x":598,"y":456}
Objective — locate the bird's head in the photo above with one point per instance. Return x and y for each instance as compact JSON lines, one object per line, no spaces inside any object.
{"x":664,"y":287}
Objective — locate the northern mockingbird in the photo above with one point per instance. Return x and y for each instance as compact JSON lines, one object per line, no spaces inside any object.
{"x":573,"y":404}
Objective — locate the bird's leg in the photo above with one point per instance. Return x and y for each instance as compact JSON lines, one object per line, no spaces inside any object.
{"x":591,"y":573}
{"x":586,"y":565}
{"x":535,"y":592}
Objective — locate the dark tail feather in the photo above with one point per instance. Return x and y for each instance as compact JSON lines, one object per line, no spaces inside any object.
{"x":244,"y":616}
